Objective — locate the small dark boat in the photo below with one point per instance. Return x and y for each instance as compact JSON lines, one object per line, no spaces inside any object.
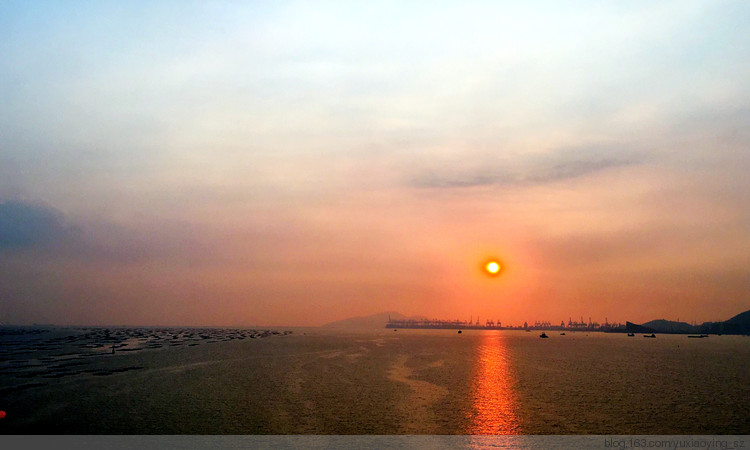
{"x":652,"y":335}
{"x":562,"y":334}
{"x":631,"y":334}
{"x":459,"y":331}
{"x":543,"y":335}
{"x":698,"y":336}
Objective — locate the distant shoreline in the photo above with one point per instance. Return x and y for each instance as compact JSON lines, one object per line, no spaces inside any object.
{"x":737,"y":325}
{"x":639,"y":329}
{"x":484,"y":327}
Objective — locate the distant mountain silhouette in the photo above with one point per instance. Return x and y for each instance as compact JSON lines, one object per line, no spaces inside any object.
{"x":739,"y":324}
{"x":670,"y":326}
{"x":740,"y":319}
{"x":374,"y":321}
{"x":631,"y":327}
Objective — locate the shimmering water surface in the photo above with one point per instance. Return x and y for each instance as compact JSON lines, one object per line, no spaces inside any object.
{"x":316,"y":381}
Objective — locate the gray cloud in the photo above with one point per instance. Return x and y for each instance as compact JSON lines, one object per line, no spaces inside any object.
{"x":25,"y":225}
{"x":45,"y":229}
{"x":44,"y":233}
{"x":561,"y":165}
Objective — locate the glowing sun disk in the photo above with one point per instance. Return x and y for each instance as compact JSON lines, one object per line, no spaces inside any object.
{"x":493,"y":268}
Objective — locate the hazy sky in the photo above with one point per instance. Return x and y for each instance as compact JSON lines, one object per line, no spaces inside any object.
{"x":294,"y":163}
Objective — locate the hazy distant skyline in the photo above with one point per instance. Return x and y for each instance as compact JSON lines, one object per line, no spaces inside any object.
{"x":296,"y":163}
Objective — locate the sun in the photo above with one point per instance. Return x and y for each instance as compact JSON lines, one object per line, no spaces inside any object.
{"x":493,"y":268}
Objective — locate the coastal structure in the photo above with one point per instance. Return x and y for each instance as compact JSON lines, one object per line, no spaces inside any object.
{"x":439,"y":324}
{"x":739,"y":324}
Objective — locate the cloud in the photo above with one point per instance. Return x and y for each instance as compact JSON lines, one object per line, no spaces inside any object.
{"x":34,"y":233}
{"x":45,"y":230}
{"x":25,"y":225}
{"x":525,"y":170}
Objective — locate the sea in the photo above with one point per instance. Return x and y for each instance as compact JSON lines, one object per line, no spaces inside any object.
{"x":317,"y":381}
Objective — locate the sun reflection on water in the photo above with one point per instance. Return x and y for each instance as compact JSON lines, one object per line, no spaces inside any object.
{"x":494,"y":403}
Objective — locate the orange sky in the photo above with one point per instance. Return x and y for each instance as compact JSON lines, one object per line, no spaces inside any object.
{"x":288,"y":165}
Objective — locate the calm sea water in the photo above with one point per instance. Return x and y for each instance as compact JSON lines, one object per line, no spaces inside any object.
{"x":316,"y":381}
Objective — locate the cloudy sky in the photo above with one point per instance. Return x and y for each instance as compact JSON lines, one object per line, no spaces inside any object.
{"x":294,"y":163}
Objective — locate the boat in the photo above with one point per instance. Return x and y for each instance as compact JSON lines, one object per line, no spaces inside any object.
{"x":631,"y":334}
{"x":696,"y":336}
{"x":652,"y":335}
{"x":562,"y":334}
{"x":543,"y":335}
